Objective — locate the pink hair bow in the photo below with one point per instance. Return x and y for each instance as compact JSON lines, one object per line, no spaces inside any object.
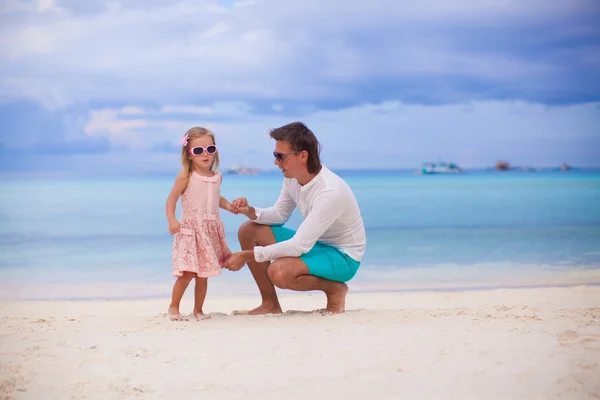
{"x":184,"y":140}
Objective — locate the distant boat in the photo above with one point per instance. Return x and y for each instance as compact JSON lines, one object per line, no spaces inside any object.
{"x":505,"y":166}
{"x":440,"y":168}
{"x":502,"y":166}
{"x":565,"y":167}
{"x":241,"y":170}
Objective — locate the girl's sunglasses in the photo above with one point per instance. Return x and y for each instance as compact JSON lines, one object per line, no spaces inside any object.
{"x":199,"y":150}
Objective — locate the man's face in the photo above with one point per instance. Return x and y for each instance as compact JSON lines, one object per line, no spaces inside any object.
{"x":288,"y":161}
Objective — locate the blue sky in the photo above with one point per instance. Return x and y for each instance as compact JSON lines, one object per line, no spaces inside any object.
{"x":110,"y":87}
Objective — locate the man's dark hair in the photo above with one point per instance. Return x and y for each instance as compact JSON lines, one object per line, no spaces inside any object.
{"x":301,"y":138}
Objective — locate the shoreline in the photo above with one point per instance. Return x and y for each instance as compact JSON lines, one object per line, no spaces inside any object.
{"x":509,"y":343}
{"x":224,"y":287}
{"x":286,"y":293}
{"x":418,"y":279}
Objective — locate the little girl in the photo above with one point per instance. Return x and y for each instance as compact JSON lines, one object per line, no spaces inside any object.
{"x":199,"y":246}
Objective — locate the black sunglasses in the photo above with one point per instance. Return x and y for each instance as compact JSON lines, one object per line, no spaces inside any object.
{"x":280,"y":156}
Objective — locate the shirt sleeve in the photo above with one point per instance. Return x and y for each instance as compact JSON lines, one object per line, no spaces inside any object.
{"x":279,"y":213}
{"x":325,"y":210}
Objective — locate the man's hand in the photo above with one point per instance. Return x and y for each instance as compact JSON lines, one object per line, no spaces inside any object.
{"x":236,"y":261}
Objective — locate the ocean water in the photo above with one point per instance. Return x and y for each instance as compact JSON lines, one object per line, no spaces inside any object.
{"x":100,"y":237}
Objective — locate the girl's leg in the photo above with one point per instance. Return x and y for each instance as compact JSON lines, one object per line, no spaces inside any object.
{"x":199,"y":296}
{"x":178,"y":290}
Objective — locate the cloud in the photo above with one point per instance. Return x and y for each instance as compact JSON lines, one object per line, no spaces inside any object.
{"x":122,"y":132}
{"x":138,"y":127}
{"x":58,"y":147}
{"x":187,"y":110}
{"x":37,"y":6}
{"x":389,"y":134}
{"x":185,"y":52}
{"x":132,"y":110}
{"x":384,"y":83}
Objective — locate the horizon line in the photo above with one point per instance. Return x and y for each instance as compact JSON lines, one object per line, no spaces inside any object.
{"x":77,"y":174}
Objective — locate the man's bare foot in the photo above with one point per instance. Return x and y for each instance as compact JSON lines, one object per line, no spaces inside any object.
{"x":266,"y":308}
{"x":200,"y":315}
{"x":174,"y":314}
{"x":336,"y":301}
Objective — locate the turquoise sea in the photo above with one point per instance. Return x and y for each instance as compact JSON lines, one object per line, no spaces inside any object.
{"x":84,"y":238}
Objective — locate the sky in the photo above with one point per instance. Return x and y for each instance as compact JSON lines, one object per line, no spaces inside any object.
{"x":93,"y":87}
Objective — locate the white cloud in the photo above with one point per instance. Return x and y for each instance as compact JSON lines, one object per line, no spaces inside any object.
{"x":216,"y":30}
{"x":244,"y":3}
{"x":142,"y":72}
{"x":34,"y":6}
{"x":175,"y":51}
{"x":137,"y":128}
{"x":121,"y":132}
{"x":393,"y":134}
{"x":46,"y":5}
{"x":132,"y":110}
{"x":187,"y":110}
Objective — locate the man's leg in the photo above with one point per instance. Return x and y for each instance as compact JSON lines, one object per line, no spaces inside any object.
{"x":292,"y":273}
{"x":252,"y":234}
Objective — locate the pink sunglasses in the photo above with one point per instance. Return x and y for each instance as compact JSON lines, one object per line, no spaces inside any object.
{"x":199,"y":150}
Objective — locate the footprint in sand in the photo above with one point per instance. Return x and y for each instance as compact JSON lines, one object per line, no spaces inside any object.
{"x":43,"y":321}
{"x":217,"y":315}
{"x":11,"y":380}
{"x":142,"y":352}
{"x":567,"y":338}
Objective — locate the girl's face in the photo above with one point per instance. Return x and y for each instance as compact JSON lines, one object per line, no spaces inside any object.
{"x":202,"y":159}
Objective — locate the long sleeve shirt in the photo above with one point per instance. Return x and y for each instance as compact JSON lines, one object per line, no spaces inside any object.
{"x":331,"y":216}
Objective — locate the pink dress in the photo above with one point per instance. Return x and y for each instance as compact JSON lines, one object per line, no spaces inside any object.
{"x":200,"y":245}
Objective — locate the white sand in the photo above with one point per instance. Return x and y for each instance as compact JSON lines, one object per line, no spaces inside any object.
{"x":500,"y":344}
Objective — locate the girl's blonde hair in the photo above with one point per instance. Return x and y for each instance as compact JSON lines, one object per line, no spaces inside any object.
{"x":186,"y":159}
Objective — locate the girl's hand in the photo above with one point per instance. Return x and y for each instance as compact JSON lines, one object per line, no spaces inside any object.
{"x":173,"y":226}
{"x":240,"y":202}
{"x":232,"y":209}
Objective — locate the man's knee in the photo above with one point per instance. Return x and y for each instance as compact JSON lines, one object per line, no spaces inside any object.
{"x":277,"y":274}
{"x":247,"y":231}
{"x":251,"y":234}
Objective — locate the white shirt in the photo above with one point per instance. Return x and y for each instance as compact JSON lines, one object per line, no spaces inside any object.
{"x":331,"y":216}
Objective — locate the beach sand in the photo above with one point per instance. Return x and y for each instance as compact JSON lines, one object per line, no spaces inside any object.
{"x":534,"y":343}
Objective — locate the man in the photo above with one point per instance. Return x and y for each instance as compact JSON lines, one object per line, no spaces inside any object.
{"x":326,"y":250}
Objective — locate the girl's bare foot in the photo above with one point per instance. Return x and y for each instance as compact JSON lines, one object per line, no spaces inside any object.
{"x":174,"y":314}
{"x":200,"y":315}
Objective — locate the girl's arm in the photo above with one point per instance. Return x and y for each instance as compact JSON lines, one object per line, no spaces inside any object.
{"x":225,"y":204}
{"x":176,"y":191}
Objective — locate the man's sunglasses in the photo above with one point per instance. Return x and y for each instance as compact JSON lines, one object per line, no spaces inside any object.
{"x":281,"y":156}
{"x":199,"y":150}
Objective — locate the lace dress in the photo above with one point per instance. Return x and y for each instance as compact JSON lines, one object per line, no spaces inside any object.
{"x":200,"y":245}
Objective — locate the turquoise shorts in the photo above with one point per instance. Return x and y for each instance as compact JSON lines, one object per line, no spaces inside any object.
{"x":322,"y":260}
